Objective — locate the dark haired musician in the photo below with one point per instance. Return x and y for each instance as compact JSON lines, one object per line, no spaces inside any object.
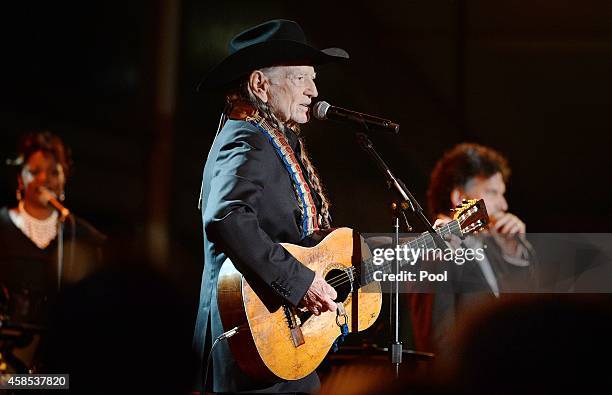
{"x":30,"y":268}
{"x":472,"y":171}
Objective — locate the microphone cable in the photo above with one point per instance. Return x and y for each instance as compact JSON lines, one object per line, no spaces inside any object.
{"x":223,"y":336}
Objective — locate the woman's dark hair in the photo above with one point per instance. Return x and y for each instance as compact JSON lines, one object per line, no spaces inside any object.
{"x":46,"y":142}
{"x":457,"y":167}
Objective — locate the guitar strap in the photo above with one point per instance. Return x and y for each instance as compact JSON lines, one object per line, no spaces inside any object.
{"x":279,"y":141}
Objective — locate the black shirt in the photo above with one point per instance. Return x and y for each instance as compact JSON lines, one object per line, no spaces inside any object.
{"x":29,"y":275}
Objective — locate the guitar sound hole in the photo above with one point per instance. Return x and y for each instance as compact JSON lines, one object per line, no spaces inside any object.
{"x":340,"y":280}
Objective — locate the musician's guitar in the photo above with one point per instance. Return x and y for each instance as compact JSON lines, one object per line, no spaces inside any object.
{"x":276,"y":341}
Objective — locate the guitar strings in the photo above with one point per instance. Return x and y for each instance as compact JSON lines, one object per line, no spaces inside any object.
{"x":349,"y":277}
{"x":343,"y":278}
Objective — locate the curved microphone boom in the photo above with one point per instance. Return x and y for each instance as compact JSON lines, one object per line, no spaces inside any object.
{"x":323,"y":110}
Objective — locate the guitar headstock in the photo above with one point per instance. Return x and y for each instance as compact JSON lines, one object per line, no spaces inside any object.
{"x":471,"y":215}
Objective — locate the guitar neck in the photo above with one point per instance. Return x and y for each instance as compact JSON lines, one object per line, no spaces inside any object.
{"x":423,"y":242}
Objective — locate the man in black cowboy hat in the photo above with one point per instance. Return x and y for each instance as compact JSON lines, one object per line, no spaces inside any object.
{"x":259,"y":188}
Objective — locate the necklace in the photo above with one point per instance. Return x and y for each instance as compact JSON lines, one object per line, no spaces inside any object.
{"x":40,"y":231}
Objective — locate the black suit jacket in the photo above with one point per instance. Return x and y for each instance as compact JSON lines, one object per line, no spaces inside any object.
{"x":248,"y":207}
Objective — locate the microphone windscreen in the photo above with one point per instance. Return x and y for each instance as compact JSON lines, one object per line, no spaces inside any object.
{"x":320,"y":110}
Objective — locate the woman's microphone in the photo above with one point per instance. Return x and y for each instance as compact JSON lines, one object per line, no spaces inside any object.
{"x":49,"y":198}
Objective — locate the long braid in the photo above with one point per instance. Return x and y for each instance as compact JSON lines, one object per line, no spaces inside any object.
{"x":264,"y":110}
{"x":313,"y":176}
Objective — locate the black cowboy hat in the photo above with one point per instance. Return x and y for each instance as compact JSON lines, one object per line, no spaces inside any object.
{"x":275,"y":42}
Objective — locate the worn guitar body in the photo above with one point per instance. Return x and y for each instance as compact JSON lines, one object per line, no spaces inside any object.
{"x":287,"y":343}
{"x":281,"y":342}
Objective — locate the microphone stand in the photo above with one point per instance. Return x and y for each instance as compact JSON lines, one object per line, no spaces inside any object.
{"x":407,"y":203}
{"x":60,"y":252}
{"x":60,"y":246}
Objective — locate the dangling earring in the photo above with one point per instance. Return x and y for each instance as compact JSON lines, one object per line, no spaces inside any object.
{"x":20,"y":189}
{"x":62,"y":196}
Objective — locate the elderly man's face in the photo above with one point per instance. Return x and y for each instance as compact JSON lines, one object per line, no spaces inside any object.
{"x":291,"y":91}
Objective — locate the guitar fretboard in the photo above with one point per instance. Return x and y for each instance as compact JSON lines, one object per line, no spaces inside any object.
{"x":423,"y":242}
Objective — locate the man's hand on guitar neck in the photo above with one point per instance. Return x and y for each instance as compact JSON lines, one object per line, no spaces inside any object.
{"x":320,"y":296}
{"x":454,"y":241}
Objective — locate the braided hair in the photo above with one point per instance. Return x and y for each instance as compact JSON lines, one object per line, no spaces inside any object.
{"x":244,"y":93}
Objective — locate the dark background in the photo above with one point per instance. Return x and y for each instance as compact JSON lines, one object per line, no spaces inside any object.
{"x":529,"y":78}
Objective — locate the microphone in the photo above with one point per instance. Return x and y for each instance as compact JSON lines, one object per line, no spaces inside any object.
{"x":323,"y":110}
{"x":49,"y":198}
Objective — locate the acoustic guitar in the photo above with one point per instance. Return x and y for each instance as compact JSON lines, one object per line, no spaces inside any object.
{"x":275,"y":341}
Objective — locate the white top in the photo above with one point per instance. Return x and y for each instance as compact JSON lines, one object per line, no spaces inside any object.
{"x":40,"y":231}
